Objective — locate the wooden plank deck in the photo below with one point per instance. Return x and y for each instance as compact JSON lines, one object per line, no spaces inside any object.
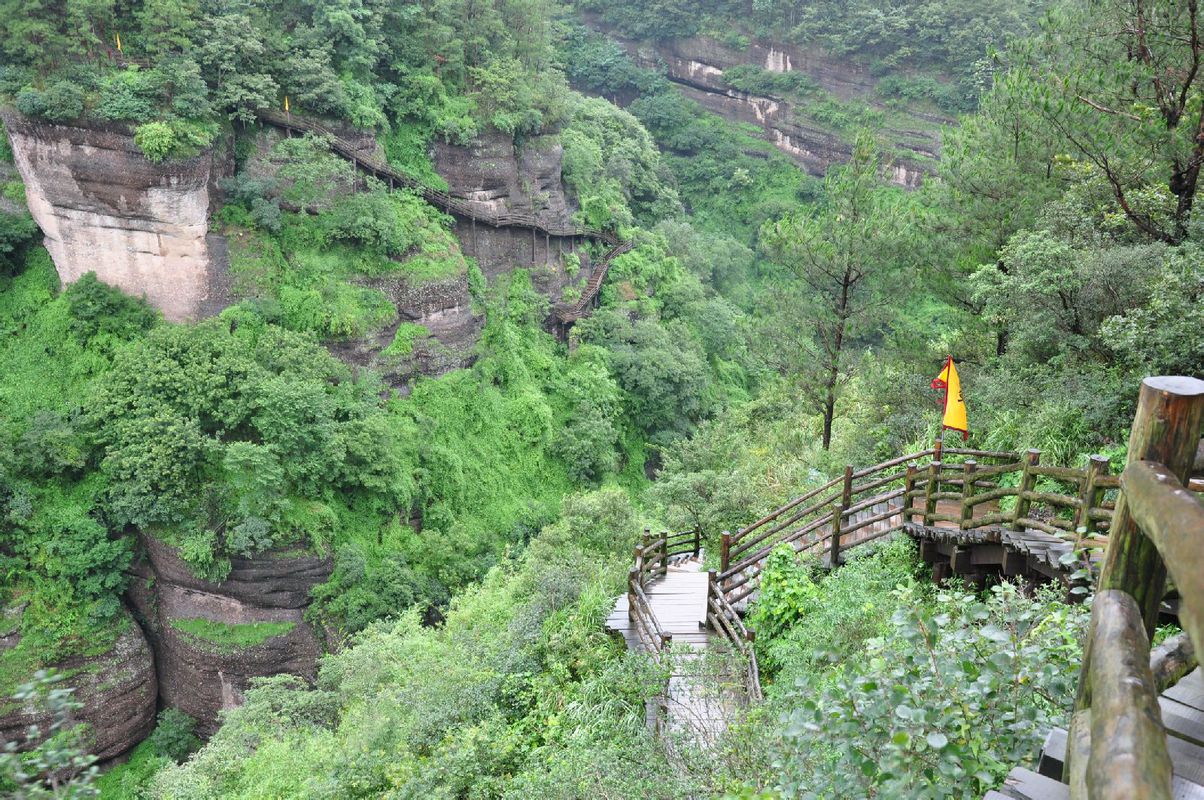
{"x":1182,"y":708}
{"x":697,"y":706}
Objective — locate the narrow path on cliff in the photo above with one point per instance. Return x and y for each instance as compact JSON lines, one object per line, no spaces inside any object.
{"x":566,"y":313}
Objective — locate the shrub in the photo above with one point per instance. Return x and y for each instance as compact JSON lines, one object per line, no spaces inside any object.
{"x":156,"y":140}
{"x":174,"y":736}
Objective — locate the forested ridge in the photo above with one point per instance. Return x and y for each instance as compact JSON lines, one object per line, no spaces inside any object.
{"x":475,"y":518}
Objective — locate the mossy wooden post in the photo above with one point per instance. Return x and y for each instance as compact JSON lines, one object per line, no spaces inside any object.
{"x":930,"y":490}
{"x":834,"y":542}
{"x":1166,"y":430}
{"x":909,"y":486}
{"x":1028,"y":481}
{"x":1090,"y":497}
{"x":725,"y":550}
{"x":968,"y":469}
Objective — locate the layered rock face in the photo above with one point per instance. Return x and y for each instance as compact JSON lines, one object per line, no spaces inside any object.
{"x":696,"y":65}
{"x":201,"y":674}
{"x":117,"y":691}
{"x":498,"y":178}
{"x":103,"y":207}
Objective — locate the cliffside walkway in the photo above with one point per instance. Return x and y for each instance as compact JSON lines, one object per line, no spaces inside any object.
{"x":565,"y":313}
{"x":1138,"y":725}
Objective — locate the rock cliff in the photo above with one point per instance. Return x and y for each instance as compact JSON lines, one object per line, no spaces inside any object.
{"x":103,"y":207}
{"x":211,"y":639}
{"x":496,"y":176}
{"x":116,"y":689}
{"x":696,"y":66}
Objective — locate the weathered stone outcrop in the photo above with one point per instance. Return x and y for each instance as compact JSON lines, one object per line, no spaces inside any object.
{"x":498,"y":178}
{"x":117,"y":691}
{"x":696,"y":65}
{"x":200,"y":676}
{"x":103,"y":207}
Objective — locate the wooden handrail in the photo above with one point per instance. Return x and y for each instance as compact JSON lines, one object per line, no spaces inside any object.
{"x":1117,"y":742}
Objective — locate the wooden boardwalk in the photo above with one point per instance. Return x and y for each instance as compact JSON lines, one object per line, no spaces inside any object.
{"x":1182,"y":707}
{"x":695,"y":705}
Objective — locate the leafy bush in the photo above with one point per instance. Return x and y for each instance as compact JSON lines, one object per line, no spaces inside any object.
{"x":174,"y":735}
{"x":957,"y":692}
{"x":156,"y":140}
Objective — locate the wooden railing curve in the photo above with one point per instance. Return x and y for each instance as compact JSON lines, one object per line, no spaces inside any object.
{"x":866,"y":504}
{"x":565,"y":313}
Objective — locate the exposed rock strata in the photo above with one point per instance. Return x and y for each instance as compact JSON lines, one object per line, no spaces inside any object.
{"x":696,"y":65}
{"x":103,"y":207}
{"x":202,"y":678}
{"x":498,"y":178}
{"x":117,"y":691}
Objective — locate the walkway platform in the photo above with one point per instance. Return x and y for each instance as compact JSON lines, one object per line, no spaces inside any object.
{"x":1182,"y":708}
{"x":696,"y":704}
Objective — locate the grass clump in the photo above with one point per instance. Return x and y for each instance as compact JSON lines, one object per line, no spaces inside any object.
{"x":227,"y":636}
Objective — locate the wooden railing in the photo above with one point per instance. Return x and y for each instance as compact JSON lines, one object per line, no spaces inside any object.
{"x":1117,"y":745}
{"x":956,"y":487}
{"x":724,"y":620}
{"x":466,"y":209}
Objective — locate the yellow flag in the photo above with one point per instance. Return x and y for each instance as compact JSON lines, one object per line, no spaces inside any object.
{"x":955,"y":401}
{"x":286,"y":103}
{"x":119,"y":43}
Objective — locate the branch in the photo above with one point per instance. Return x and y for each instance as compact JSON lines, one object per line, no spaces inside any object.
{"x":1107,"y":110}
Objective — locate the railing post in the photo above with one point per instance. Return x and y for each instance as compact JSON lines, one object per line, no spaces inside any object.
{"x":697,"y":541}
{"x":712,"y":591}
{"x":664,"y":556}
{"x":725,"y":551}
{"x":909,"y":486}
{"x":1027,"y":481}
{"x":633,"y":577}
{"x":1090,"y":497}
{"x":1166,"y":430}
{"x":930,"y":490}
{"x":968,"y":470}
{"x":834,"y":544}
{"x":939,"y":449}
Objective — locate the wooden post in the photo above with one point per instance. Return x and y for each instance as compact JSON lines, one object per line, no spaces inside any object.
{"x":725,"y":549}
{"x":909,"y":486}
{"x":697,"y":541}
{"x":664,"y":557}
{"x":834,"y":543}
{"x":1166,"y":430}
{"x":968,"y":469}
{"x":1090,"y":497}
{"x":1027,"y":481}
{"x":934,"y":480}
{"x":939,"y":447}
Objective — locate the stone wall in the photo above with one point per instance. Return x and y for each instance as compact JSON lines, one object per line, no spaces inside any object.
{"x":103,"y":207}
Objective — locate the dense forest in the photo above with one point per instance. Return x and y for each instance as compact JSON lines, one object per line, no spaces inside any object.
{"x":767,"y":327}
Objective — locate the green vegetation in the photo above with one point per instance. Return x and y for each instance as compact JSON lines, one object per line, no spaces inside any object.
{"x":947,"y":40}
{"x":765,"y":329}
{"x":223,"y":636}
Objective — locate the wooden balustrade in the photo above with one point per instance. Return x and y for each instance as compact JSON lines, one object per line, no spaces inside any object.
{"x":1118,"y":744}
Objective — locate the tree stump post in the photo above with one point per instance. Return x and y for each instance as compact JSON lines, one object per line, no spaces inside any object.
{"x":725,"y":550}
{"x":968,"y":469}
{"x":1090,"y":497}
{"x":834,"y":542}
{"x":1028,"y":480}
{"x":909,"y":486}
{"x":930,"y":490}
